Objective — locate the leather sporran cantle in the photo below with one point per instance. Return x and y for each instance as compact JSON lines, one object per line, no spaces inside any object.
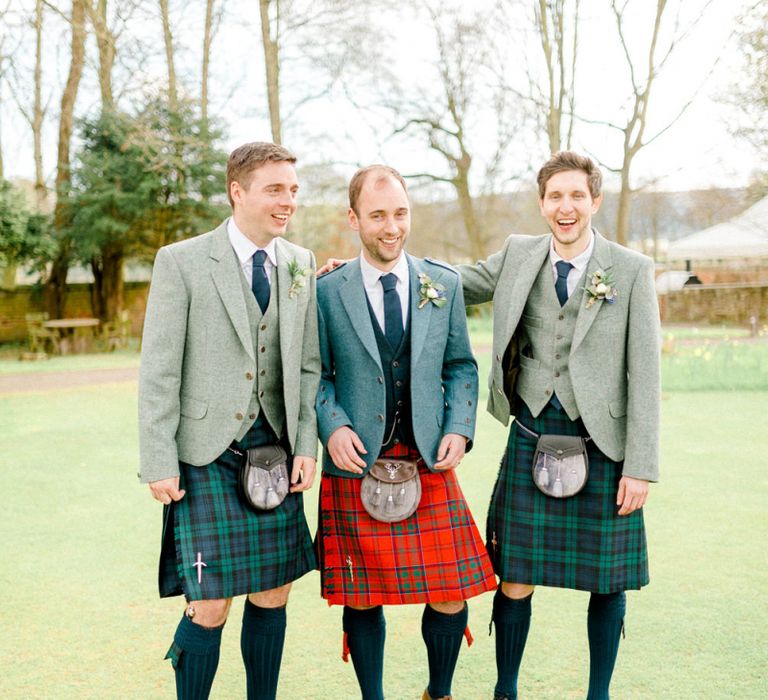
{"x":391,"y":490}
{"x":560,"y":465}
{"x":264,"y":480}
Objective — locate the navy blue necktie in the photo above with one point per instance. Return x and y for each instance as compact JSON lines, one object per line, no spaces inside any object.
{"x":561,"y":285}
{"x":393,"y":312}
{"x":259,"y":281}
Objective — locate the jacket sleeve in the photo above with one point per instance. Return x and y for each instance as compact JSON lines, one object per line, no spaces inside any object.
{"x":459,"y":376}
{"x":162,"y":353}
{"x":641,"y":458}
{"x":306,"y":437}
{"x":479,"y":280}
{"x":330,"y":414}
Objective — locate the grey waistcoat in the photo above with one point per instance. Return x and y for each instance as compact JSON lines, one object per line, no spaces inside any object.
{"x":267,"y":393}
{"x":546,"y":331}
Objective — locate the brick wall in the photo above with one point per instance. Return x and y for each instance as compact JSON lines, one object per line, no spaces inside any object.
{"x":717,"y":303}
{"x":16,"y":303}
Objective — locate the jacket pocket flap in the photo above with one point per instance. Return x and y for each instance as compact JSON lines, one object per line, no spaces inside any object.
{"x":193,"y":408}
{"x":618,"y":408}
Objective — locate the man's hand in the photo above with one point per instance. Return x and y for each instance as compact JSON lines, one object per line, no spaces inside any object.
{"x":451,"y":451}
{"x":330,"y":264}
{"x":303,"y":468}
{"x":166,"y":490}
{"x":345,"y":448}
{"x":632,"y":494}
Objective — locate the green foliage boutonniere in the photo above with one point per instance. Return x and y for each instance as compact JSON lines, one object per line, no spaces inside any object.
{"x":601,"y":288}
{"x":430,"y":291}
{"x":298,"y":275}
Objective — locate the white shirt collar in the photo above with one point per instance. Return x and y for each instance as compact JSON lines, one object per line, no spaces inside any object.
{"x":371,"y":274}
{"x":245,"y":247}
{"x":580,"y":262}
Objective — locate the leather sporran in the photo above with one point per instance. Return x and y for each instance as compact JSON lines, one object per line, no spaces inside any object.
{"x":391,"y":490}
{"x":264,"y":479}
{"x":560,"y":465}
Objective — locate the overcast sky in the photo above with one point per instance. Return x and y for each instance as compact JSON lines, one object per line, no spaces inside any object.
{"x":697,"y":151}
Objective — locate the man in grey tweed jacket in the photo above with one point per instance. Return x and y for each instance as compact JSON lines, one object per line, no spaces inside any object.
{"x":230,"y":361}
{"x":583,"y":315}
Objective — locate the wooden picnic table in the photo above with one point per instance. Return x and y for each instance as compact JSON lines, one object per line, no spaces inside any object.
{"x":75,"y":334}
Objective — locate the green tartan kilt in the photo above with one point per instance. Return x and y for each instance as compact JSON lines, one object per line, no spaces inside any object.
{"x":578,"y":542}
{"x":244,"y":551}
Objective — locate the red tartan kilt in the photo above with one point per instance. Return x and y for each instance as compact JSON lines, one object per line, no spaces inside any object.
{"x":436,"y":555}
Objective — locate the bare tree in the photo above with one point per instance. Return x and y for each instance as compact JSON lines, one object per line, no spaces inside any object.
{"x":557,"y":23}
{"x":212,"y":19}
{"x":445,"y":114}
{"x":106,"y":41}
{"x":643,"y":75}
{"x":270,"y":31}
{"x":173,"y":95}
{"x":56,"y":285}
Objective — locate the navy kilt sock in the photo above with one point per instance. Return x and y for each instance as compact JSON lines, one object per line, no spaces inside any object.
{"x":442,"y":633}
{"x":261,"y":643}
{"x":365,"y":632}
{"x":512,"y":618}
{"x":195,"y":658}
{"x":605,"y":621}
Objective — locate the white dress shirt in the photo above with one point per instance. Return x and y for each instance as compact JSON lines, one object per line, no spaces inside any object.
{"x":245,"y":248}
{"x":375,"y":292}
{"x":579,"y":263}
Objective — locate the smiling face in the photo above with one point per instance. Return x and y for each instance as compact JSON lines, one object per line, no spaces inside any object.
{"x":384,"y":219}
{"x":568,"y":206}
{"x":262,"y":208}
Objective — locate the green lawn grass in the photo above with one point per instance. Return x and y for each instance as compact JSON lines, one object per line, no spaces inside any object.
{"x":81,"y":617}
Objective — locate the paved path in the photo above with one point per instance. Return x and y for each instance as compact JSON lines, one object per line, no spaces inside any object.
{"x":33,"y":382}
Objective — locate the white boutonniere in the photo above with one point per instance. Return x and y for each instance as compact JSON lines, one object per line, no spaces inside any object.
{"x":298,"y":277}
{"x":430,"y":291}
{"x":601,"y":288}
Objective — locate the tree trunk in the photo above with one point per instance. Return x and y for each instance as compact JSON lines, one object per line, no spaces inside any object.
{"x":207,"y":38}
{"x":56,"y":287}
{"x":38,"y":111}
{"x":105,"y":40}
{"x":107,"y":290}
{"x":272,"y":65}
{"x":477,"y":248}
{"x":625,"y":206}
{"x":173,"y":98}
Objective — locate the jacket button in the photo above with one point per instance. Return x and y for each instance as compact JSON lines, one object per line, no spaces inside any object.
{"x":263,"y":327}
{"x":261,"y":394}
{"x":398,"y":383}
{"x":467,"y":386}
{"x":238,"y":416}
{"x":251,"y":416}
{"x":249,"y":376}
{"x":323,"y":402}
{"x":262,"y":372}
{"x":468,"y":421}
{"x":399,"y":403}
{"x":380,"y":380}
{"x":558,"y":337}
{"x":560,"y":317}
{"x":469,"y":403}
{"x":395,"y":364}
{"x":380,"y":418}
{"x":546,"y":392}
{"x":557,"y":374}
{"x":397,"y":441}
{"x":498,"y":358}
{"x":557,"y":356}
{"x":262,"y":349}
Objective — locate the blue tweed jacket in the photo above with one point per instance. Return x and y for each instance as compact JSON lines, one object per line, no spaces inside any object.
{"x":443,"y":370}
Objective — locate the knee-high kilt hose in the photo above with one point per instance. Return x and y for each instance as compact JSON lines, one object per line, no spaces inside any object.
{"x":436,"y":555}
{"x":578,"y":542}
{"x":243,"y":551}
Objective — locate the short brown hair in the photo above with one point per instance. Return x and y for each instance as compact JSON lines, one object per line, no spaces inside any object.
{"x":359,"y":178}
{"x":251,"y":156}
{"x":569,"y":160}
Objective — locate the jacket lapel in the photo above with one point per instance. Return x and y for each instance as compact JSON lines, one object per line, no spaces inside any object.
{"x":601,"y":260}
{"x":352,"y":294}
{"x":225,"y":271}
{"x":525,"y":274}
{"x":419,"y":316}
{"x":285,"y":304}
